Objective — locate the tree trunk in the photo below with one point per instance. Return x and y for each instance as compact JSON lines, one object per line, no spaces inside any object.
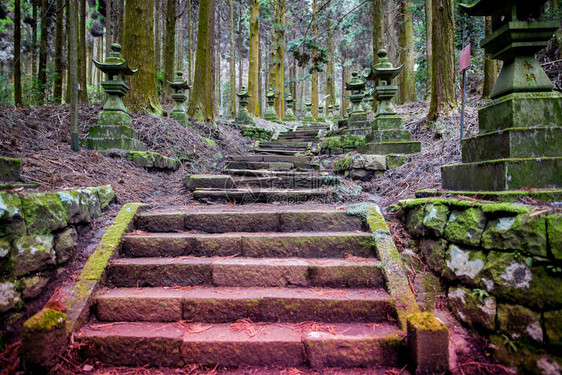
{"x":253,"y":65}
{"x":408,"y":76}
{"x":169,"y":44}
{"x":428,"y":49}
{"x":158,"y":35}
{"x":189,"y":43}
{"x":139,"y":51}
{"x":330,"y":81}
{"x":83,"y":63}
{"x":217,"y":63}
{"x":232,"y":62}
{"x":443,"y":95}
{"x":344,"y":79}
{"x":179,"y":41}
{"x":42,"y":72}
{"x":260,"y":85}
{"x":490,"y":67}
{"x":68,"y":51}
{"x":108,"y":6}
{"x":239,"y":42}
{"x":118,"y":36}
{"x":314,"y":84}
{"x":89,"y":63}
{"x":59,"y":41}
{"x":17,"y":53}
{"x":35,"y":6}
{"x":277,"y":65}
{"x":72,"y":13}
{"x":201,"y":103}
{"x":378,"y":27}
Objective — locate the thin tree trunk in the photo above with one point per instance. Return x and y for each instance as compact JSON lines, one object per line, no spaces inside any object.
{"x":490,"y":67}
{"x":408,"y":76}
{"x":73,"y":73}
{"x":344,"y":78}
{"x":314,"y":83}
{"x":218,"y":64}
{"x":378,"y":26}
{"x":240,"y":57}
{"x":330,"y":79}
{"x":59,"y":41}
{"x":179,"y":41}
{"x":201,"y":102}
{"x":89,"y":55}
{"x":83,"y":94}
{"x":108,"y":25}
{"x":277,"y":66}
{"x":260,"y":85}
{"x":169,"y":43}
{"x":158,"y":35}
{"x":253,"y":65}
{"x":68,"y":37}
{"x":232,"y":62}
{"x":42,"y":73}
{"x":139,"y":51}
{"x":189,"y":42}
{"x":443,"y":95}
{"x":428,"y":48}
{"x":35,"y":6}
{"x":120,"y":22}
{"x":17,"y":52}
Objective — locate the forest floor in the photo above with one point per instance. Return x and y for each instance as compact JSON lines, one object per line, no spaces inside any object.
{"x":40,"y":137}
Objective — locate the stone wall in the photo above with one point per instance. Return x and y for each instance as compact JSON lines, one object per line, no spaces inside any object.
{"x":38,"y":236}
{"x":256,"y":133}
{"x":502,"y":266}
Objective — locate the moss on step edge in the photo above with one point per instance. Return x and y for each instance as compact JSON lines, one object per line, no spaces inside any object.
{"x":147,"y":159}
{"x":487,"y":207}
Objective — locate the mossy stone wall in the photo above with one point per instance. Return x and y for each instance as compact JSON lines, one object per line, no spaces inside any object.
{"x":502,"y":266}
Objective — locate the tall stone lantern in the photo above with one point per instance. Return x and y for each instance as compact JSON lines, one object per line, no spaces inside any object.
{"x":357,"y":123}
{"x":113,"y":129}
{"x":270,"y":113}
{"x":289,"y":112}
{"x":179,"y":86}
{"x":308,"y":118}
{"x":243,"y":116}
{"x":520,"y":140}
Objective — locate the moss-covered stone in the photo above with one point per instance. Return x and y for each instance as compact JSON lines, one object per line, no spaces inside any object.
{"x":463,"y":265}
{"x":526,"y":233}
{"x":428,"y":220}
{"x":428,"y":343}
{"x":518,"y":321}
{"x":208,"y":141}
{"x":66,"y":243}
{"x":395,"y":160}
{"x":44,"y":338}
{"x":433,"y":253}
{"x":33,"y":253}
{"x":10,"y":206}
{"x":106,"y":195}
{"x":9,"y":169}
{"x":554,"y":227}
{"x":553,"y":326}
{"x":471,"y":309}
{"x":9,"y":296}
{"x":43,"y":212}
{"x":33,"y":286}
{"x":153,"y":160}
{"x":466,"y":227}
{"x":343,"y":165}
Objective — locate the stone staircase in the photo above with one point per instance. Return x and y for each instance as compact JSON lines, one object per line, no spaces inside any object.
{"x":252,"y":286}
{"x":299,"y":141}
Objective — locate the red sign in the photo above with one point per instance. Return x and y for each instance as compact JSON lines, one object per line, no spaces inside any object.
{"x":464,"y":59}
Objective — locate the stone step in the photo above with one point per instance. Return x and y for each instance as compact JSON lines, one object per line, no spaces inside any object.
{"x":112,"y":131}
{"x":228,"y":304}
{"x":284,"y":145}
{"x":243,"y":344}
{"x":280,"y":152}
{"x":268,"y":173}
{"x":288,"y":182}
{"x":391,"y":148}
{"x":250,"y":195}
{"x":272,"y":158}
{"x":256,"y":245}
{"x":118,"y":143}
{"x":290,"y":219}
{"x":246,"y":272}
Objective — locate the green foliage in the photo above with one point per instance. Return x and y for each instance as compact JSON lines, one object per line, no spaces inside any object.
{"x":480,"y":293}
{"x":306,"y":51}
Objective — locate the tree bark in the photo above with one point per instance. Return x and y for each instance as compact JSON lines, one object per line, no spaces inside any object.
{"x":73,"y":73}
{"x":330,"y":81}
{"x":179,"y":40}
{"x":83,"y":93}
{"x":59,"y":41}
{"x":490,"y":67}
{"x":158,"y":35}
{"x":139,"y":51}
{"x":118,"y":36}
{"x":169,"y":44}
{"x":217,"y":63}
{"x":378,"y":27}
{"x":232,"y":62}
{"x":189,"y":43}
{"x":201,"y":102}
{"x":17,"y":53}
{"x":68,"y":50}
{"x":408,"y":76}
{"x":314,"y":83}
{"x":108,"y":6}
{"x":277,"y":65}
{"x":35,"y":6}
{"x":443,"y":95}
{"x":42,"y":68}
{"x":253,"y":65}
{"x":428,"y":48}
{"x":239,"y":42}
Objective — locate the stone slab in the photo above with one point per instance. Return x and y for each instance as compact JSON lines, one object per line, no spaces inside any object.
{"x":391,"y":148}
{"x":112,"y":131}
{"x":388,"y":122}
{"x":428,"y":344}
{"x":389,"y":135}
{"x":504,"y":174}
{"x":118,"y":143}
{"x":9,"y":169}
{"x":204,"y":181}
{"x":369,"y":162}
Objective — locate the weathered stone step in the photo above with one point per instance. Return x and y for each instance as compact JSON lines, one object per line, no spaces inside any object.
{"x":287,"y":220}
{"x":272,"y":158}
{"x":280,"y":152}
{"x":246,"y":272}
{"x":288,"y":182}
{"x":255,"y":245}
{"x":228,"y":304}
{"x":266,"y":173}
{"x":270,"y":220}
{"x":284,"y":145}
{"x":276,"y":166}
{"x":243,"y":344}
{"x":246,"y":196}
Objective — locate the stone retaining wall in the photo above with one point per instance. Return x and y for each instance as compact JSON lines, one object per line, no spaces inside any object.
{"x":38,"y":235}
{"x":502,"y":265}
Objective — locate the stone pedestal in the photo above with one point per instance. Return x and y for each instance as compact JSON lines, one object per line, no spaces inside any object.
{"x":308,"y":118}
{"x":270,"y":113}
{"x":179,"y":86}
{"x":520,"y":141}
{"x":357,"y":123}
{"x":243,"y":116}
{"x":289,"y":111}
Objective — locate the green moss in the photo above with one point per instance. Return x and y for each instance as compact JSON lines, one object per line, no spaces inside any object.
{"x":342,"y":164}
{"x":208,"y":141}
{"x":43,"y":212}
{"x":45,"y":320}
{"x":426,"y":321}
{"x":466,"y":227}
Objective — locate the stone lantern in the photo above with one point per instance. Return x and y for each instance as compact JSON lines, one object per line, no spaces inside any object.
{"x":308,"y":118}
{"x":388,"y":135}
{"x":289,"y":112}
{"x":243,"y":116}
{"x":520,"y":141}
{"x":357,"y":123}
{"x":179,"y":86}
{"x":321,"y":118}
{"x":270,"y":113}
{"x":113,"y":129}
{"x":337,"y":115}
{"x":330,"y":116}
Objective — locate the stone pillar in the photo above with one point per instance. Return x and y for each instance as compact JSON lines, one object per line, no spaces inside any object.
{"x":520,"y":141}
{"x":179,"y":86}
{"x":428,"y":344}
{"x":243,"y":116}
{"x":289,"y":111}
{"x":357,"y":123}
{"x":308,"y":118}
{"x":270,"y":113}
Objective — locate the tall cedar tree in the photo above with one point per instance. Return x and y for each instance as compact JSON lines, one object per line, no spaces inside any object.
{"x":277,"y":64}
{"x":253,"y":67}
{"x":314,"y":82}
{"x":443,"y":96}
{"x":42,"y":70}
{"x":428,"y":49}
{"x":170,"y":43}
{"x":108,"y":35}
{"x":330,"y":79}
{"x":138,"y":49}
{"x":408,"y":76}
{"x":490,"y":67}
{"x":59,"y":42}
{"x":158,"y":34}
{"x":82,"y":57}
{"x":201,"y":101}
{"x":72,"y":12}
{"x":17,"y":52}
{"x":232,"y":61}
{"x":378,"y":26}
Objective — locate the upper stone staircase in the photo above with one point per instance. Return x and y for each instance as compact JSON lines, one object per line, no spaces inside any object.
{"x":252,"y":286}
{"x":299,"y":141}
